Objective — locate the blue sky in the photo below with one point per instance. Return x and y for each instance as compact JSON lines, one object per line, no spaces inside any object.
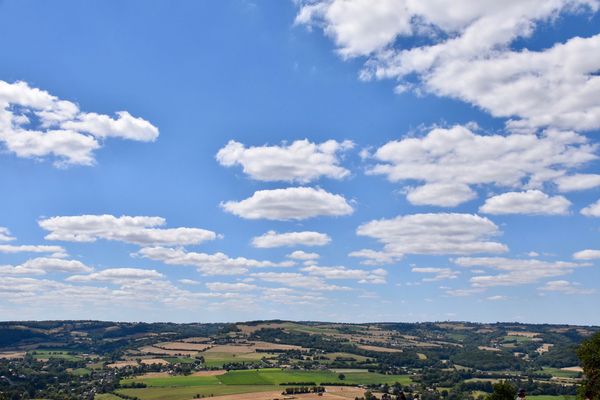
{"x":316,"y":160}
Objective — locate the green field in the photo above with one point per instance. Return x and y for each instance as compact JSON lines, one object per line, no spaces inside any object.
{"x":217,"y":359}
{"x":517,"y":339}
{"x":188,"y":392}
{"x":64,"y":355}
{"x":246,"y":381}
{"x":559,"y":373}
{"x":181,"y":360}
{"x":271,"y":376}
{"x":333,"y":356}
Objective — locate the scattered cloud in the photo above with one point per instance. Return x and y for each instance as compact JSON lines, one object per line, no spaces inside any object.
{"x":35,"y":124}
{"x":530,"y":202}
{"x":296,"y":203}
{"x":451,"y":160}
{"x":376,"y":276}
{"x":144,"y":231}
{"x":435,"y":233}
{"x":587,"y":254}
{"x":301,"y":161}
{"x":43,"y":265}
{"x":437,"y":274}
{"x":565,"y":287}
{"x":302,"y":255}
{"x":593,"y":210}
{"x":207,"y":264}
{"x":467,"y":55}
{"x":5,"y":235}
{"x":230,"y":287}
{"x":55,"y":251}
{"x":306,"y":238}
{"x":441,"y":194}
{"x":118,"y":275}
{"x":297,"y":280}
{"x":515,"y":271}
{"x":497,"y":298}
{"x":576,"y":182}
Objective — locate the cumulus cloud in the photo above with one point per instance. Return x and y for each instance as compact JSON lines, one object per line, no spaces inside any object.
{"x":593,"y":210}
{"x":230,"y":287}
{"x":467,"y":54}
{"x":295,"y":203}
{"x":437,"y":274}
{"x":531,"y":202}
{"x":441,"y":194}
{"x":297,"y":280}
{"x":207,"y":264}
{"x":451,"y":160}
{"x":302,"y":255}
{"x":516,"y":271}
{"x":497,"y":297}
{"x":302,"y":161}
{"x":118,"y":275}
{"x":35,"y":124}
{"x":44,"y":265}
{"x":575,"y":182}
{"x":565,"y":287}
{"x":5,"y":235}
{"x":441,"y":233}
{"x":56,"y":251}
{"x":375,"y":276}
{"x":140,"y":230}
{"x":305,"y":238}
{"x":587,"y":254}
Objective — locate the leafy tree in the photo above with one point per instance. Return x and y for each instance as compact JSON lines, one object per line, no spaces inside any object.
{"x":589,"y":354}
{"x":341,"y":377}
{"x":503,"y":391}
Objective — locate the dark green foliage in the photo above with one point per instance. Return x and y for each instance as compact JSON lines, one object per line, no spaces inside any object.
{"x":503,"y":391}
{"x":589,"y":354}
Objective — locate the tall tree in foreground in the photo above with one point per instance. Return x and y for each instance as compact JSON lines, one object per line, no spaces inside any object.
{"x":503,"y":391}
{"x":589,"y":354}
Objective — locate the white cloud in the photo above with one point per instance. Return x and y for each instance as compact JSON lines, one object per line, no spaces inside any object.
{"x":593,"y":210}
{"x":56,"y":251}
{"x":437,"y":274}
{"x":43,"y":265}
{"x":450,"y":161}
{"x":5,"y":235}
{"x":296,"y":203}
{"x":372,"y":257}
{"x":463,"y":292}
{"x":302,"y":255}
{"x":294,"y":279}
{"x":441,"y":194}
{"x":441,"y":233}
{"x":497,"y":298}
{"x":35,"y":124}
{"x":306,"y":238}
{"x":230,"y":287}
{"x":376,"y":276}
{"x":118,"y":275}
{"x":207,"y":264}
{"x":188,"y":282}
{"x":531,"y":202}
{"x":302,"y":161}
{"x":571,"y":183}
{"x":587,"y":254}
{"x":565,"y":287}
{"x":516,"y":271}
{"x":467,"y":54}
{"x":138,"y":230}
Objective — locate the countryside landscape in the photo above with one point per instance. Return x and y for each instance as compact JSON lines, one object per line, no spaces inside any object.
{"x":269,"y":360}
{"x":300,"y":199}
